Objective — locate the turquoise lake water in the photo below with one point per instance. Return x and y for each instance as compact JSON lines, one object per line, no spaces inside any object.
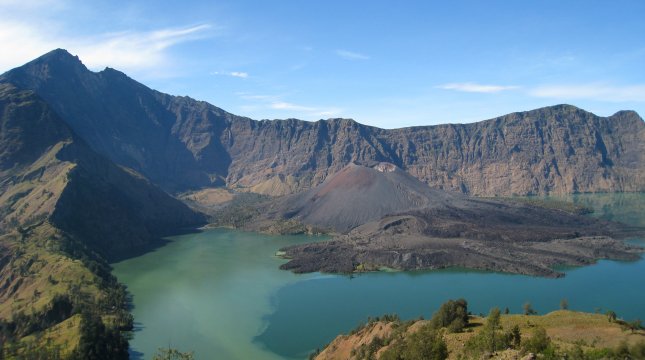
{"x":220,"y":293}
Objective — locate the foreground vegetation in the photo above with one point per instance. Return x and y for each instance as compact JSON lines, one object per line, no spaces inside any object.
{"x":59,"y":299}
{"x":452,"y":333}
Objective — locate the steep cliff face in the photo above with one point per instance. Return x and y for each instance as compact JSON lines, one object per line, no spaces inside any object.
{"x":181,"y":144}
{"x":48,"y":174}
{"x":554,"y":150}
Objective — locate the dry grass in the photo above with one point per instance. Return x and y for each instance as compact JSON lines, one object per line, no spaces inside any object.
{"x":342,"y":346}
{"x":565,"y":328}
{"x":568,"y":327}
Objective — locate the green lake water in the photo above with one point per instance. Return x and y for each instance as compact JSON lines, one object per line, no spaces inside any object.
{"x":220,"y":293}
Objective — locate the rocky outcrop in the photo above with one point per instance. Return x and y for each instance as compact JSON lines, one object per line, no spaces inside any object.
{"x":181,"y":144}
{"x":48,"y":174}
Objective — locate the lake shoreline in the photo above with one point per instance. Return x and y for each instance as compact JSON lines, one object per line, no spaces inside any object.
{"x":220,"y":293}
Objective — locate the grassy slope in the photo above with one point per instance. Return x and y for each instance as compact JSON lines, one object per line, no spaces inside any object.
{"x":38,"y":271}
{"x":565,"y":328}
{"x":63,"y":210}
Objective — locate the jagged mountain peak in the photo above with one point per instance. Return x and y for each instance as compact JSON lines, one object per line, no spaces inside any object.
{"x":58,"y":55}
{"x":57,"y":63}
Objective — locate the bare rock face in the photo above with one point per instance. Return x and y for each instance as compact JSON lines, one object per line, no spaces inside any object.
{"x":183,"y":144}
{"x":556,"y":150}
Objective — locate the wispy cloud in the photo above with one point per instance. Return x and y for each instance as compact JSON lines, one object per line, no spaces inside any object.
{"x":237,"y":74}
{"x":28,"y":5}
{"x":248,"y":96}
{"x":282,"y":108}
{"x":476,"y":88}
{"x":306,"y":111}
{"x":132,"y":50}
{"x":281,"y":105}
{"x":351,"y":55}
{"x":594,"y":91}
{"x":597,"y":91}
{"x":32,"y":28}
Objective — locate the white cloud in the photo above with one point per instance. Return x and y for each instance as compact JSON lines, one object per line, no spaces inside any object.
{"x":129,"y":51}
{"x":25,"y":44}
{"x":594,"y":91}
{"x":476,"y":88}
{"x":30,"y":4}
{"x":266,"y":103}
{"x":133,"y":50}
{"x":239,"y":74}
{"x":591,"y":91}
{"x":248,"y":96}
{"x":306,"y":111}
{"x":350,"y":55}
{"x":281,"y":105}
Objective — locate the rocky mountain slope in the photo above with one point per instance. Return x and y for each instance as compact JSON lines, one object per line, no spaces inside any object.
{"x":47,"y":173}
{"x":183,"y":144}
{"x":357,"y":195}
{"x":403,"y":224}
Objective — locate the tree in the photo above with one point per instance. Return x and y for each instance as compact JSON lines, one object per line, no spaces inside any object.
{"x":98,"y":342}
{"x":453,"y":314}
{"x":493,"y":325}
{"x":172,"y":354}
{"x":493,"y":319}
{"x":515,"y":337}
{"x":564,"y":304}
{"x":528,"y":309}
{"x":490,"y":338}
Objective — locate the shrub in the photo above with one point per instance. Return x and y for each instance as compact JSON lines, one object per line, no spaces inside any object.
{"x":452,"y":314}
{"x":528,"y":309}
{"x":538,"y":343}
{"x":425,"y":344}
{"x":172,"y":354}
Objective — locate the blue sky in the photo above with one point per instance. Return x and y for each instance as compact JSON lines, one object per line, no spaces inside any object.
{"x":384,"y":63}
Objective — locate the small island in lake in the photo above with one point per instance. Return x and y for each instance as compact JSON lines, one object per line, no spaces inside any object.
{"x":382,"y":217}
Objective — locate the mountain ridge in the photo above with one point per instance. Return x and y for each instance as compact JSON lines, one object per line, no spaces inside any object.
{"x":184,"y":144}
